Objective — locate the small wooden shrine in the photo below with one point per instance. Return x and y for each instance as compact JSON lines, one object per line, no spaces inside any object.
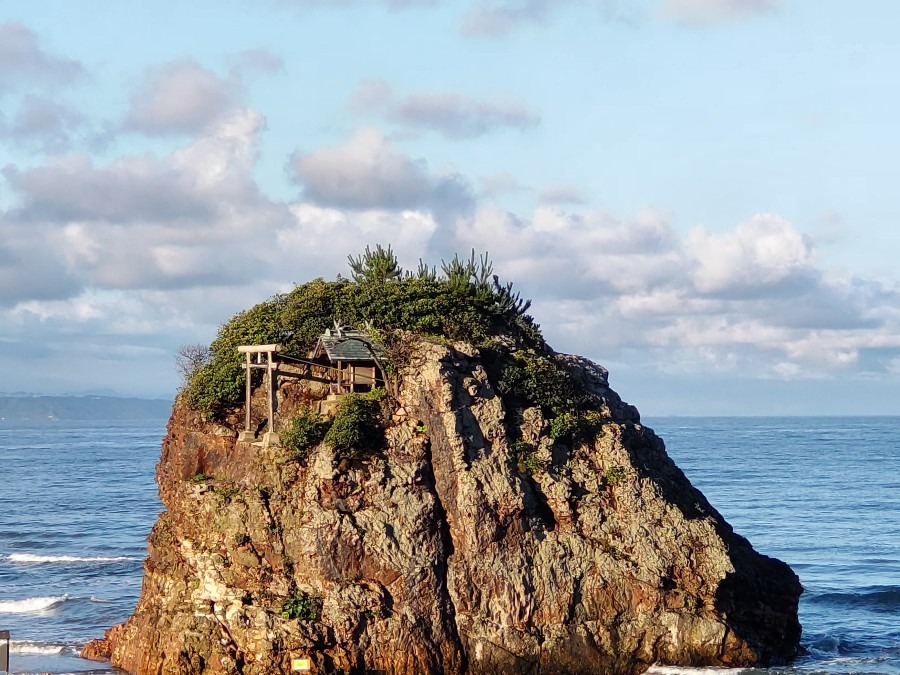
{"x":352,"y":357}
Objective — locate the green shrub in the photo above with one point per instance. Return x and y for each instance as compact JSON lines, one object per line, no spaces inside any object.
{"x":227,"y":493}
{"x":590,"y":424}
{"x":466,"y":303}
{"x":378,"y":394}
{"x":539,"y":381}
{"x":307,"y":430}
{"x":576,"y":427}
{"x":357,"y":427}
{"x":303,"y":606}
{"x":526,"y":457}
{"x":199,"y":478}
{"x":219,"y":383}
{"x":533,"y":464}
{"x":564,"y":427}
{"x":613,"y":475}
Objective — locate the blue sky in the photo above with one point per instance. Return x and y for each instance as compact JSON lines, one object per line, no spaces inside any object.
{"x":696,"y":193}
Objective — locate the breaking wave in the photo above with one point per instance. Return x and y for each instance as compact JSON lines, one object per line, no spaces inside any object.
{"x":686,"y":670}
{"x":28,"y":605}
{"x":41,"y":648}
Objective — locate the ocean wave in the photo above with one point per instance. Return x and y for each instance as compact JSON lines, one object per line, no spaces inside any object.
{"x":42,"y":648}
{"x":686,"y":670}
{"x":29,"y":605}
{"x":33,"y":558}
{"x":875,"y":599}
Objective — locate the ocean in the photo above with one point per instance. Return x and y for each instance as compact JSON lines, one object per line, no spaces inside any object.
{"x":77,"y":500}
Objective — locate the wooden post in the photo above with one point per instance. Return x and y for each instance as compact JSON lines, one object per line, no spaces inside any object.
{"x":249,"y":392}
{"x":4,"y":651}
{"x":270,"y":371}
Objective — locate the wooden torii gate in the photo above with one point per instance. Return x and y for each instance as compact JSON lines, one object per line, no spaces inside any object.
{"x":248,"y":435}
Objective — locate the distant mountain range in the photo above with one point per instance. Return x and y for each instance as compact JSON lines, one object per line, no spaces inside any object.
{"x":21,"y":407}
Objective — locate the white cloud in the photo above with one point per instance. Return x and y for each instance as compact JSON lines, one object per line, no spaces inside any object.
{"x":139,"y":222}
{"x":181,"y":97}
{"x":332,"y":234}
{"x":24,"y":62}
{"x":762,"y":254}
{"x":742,"y":300}
{"x":43,"y":124}
{"x":496,"y":18}
{"x":149,"y":246}
{"x":705,"y":12}
{"x":365,"y":172}
{"x":560,"y":195}
{"x":449,"y":113}
{"x":368,"y":172}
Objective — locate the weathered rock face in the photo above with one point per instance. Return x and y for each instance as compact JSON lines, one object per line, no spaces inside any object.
{"x":442,"y":555}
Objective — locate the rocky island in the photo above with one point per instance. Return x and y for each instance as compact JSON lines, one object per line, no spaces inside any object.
{"x":470,"y":501}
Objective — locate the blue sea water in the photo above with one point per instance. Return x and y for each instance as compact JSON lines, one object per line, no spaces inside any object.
{"x":78,"y":499}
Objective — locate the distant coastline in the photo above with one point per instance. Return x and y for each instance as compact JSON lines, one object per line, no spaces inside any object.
{"x":35,"y":408}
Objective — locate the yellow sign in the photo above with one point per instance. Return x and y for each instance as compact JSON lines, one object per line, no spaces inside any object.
{"x":301,"y":664}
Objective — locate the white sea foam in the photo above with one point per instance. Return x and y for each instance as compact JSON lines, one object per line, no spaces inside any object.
{"x":682,"y":670}
{"x":32,"y":558}
{"x":31,"y":604}
{"x":44,"y":648}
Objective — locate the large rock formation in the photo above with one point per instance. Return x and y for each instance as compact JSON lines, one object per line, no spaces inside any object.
{"x":446,"y":552}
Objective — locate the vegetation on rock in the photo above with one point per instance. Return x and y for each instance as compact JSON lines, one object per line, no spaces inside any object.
{"x":307,"y":430}
{"x":357,"y":427}
{"x":303,"y":606}
{"x":463,"y":301}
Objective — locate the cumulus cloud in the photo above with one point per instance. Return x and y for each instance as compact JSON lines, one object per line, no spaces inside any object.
{"x":369,"y":172}
{"x":334,"y":233}
{"x":752,"y":299}
{"x":457,"y":116}
{"x":88,"y":261}
{"x":498,"y":17}
{"x":22,"y":60}
{"x":705,"y":12}
{"x":492,"y":18}
{"x":43,"y":124}
{"x":761,"y":254}
{"x":142,"y":222}
{"x":29,"y":268}
{"x":181,"y":97}
{"x":366,"y":172}
{"x":449,"y":113}
{"x":561,"y":195}
{"x":129,"y":189}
